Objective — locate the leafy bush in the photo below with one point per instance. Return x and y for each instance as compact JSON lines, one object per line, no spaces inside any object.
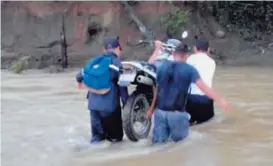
{"x":256,"y":16}
{"x":20,"y":65}
{"x":174,"y":20}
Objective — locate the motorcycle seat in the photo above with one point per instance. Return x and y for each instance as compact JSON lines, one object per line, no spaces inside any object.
{"x":149,"y":66}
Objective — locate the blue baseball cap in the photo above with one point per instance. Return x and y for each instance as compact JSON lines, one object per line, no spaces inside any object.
{"x":202,"y":45}
{"x":111,"y":43}
{"x":182,"y":49}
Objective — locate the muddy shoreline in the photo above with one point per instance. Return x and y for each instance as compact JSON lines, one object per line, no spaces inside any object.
{"x":77,"y":62}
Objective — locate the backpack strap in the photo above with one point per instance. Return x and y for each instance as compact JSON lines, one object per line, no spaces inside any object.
{"x":112,"y":66}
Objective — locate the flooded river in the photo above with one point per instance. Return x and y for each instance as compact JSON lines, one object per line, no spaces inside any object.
{"x":44,"y":122}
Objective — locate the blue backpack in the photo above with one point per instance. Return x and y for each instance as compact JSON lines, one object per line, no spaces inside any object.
{"x":96,"y":75}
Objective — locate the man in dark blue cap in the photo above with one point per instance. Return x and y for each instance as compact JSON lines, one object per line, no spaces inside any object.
{"x":100,"y":77}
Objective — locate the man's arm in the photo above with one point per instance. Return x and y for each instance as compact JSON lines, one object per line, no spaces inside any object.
{"x":123,"y":91}
{"x":160,"y":70}
{"x":79,"y":79}
{"x":212,"y":94}
{"x":195,"y":78}
{"x":123,"y":94}
{"x":152,"y":107}
{"x":156,"y":51}
{"x":154,"y":55}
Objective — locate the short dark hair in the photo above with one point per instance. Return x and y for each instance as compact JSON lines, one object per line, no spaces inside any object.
{"x":202,"y":45}
{"x":182,"y":49}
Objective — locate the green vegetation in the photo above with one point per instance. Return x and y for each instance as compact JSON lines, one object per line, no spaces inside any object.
{"x":20,"y":65}
{"x":174,"y":20}
{"x":245,"y":17}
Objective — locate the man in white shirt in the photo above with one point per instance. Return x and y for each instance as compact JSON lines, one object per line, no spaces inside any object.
{"x":199,"y":106}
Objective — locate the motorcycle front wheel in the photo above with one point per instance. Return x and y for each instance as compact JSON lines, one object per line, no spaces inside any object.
{"x":135,"y":124}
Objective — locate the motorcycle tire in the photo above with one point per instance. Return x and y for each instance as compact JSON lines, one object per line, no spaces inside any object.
{"x":130,"y":113}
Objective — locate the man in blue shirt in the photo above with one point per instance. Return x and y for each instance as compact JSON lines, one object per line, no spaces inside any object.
{"x":105,"y":110}
{"x":170,"y":96}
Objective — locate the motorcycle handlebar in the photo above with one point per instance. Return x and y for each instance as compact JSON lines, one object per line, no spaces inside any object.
{"x":140,"y":42}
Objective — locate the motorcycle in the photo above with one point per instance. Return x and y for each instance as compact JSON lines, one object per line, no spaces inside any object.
{"x":142,"y":76}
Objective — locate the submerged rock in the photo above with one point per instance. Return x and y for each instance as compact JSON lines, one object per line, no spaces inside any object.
{"x":220,"y":34}
{"x":55,"y":69}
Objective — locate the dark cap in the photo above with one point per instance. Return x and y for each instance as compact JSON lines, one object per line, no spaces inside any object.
{"x":202,"y":45}
{"x":182,"y":49}
{"x":111,"y":43}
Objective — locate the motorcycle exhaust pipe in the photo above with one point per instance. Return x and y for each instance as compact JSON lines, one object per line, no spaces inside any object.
{"x":144,"y":80}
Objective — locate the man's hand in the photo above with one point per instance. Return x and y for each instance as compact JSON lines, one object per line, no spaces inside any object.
{"x":149,"y":113}
{"x":80,"y":85}
{"x":213,"y":95}
{"x":158,"y":44}
{"x":225,"y":106}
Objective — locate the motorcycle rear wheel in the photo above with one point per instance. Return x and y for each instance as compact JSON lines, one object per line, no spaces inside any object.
{"x":135,"y":111}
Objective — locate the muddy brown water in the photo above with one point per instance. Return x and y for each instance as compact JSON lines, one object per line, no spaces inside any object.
{"x":44,"y":122}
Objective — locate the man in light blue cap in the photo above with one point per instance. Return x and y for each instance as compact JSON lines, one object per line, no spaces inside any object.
{"x":159,"y":55}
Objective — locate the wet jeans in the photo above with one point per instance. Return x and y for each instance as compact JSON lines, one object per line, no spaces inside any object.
{"x":172,"y":124}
